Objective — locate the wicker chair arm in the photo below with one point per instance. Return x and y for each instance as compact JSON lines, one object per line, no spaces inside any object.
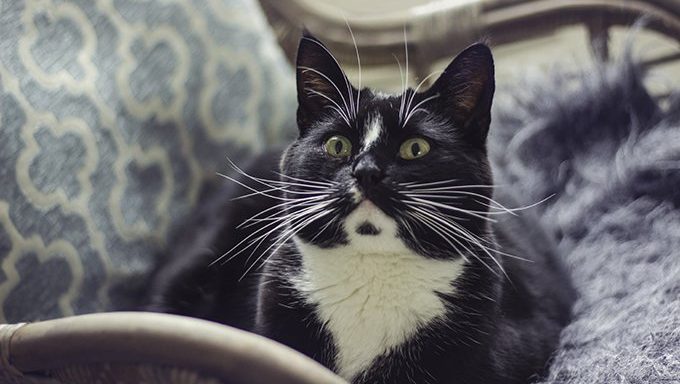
{"x":223,"y":353}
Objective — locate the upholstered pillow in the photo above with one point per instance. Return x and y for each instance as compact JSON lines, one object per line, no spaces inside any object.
{"x":112,"y":114}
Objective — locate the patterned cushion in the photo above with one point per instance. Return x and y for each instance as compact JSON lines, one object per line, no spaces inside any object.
{"x":112,"y":114}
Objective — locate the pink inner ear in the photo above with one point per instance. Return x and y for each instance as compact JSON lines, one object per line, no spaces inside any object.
{"x":312,"y":80}
{"x":468,"y":100}
{"x":471,"y":88}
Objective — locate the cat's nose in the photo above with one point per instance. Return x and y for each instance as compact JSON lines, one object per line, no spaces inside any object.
{"x":367,"y":172}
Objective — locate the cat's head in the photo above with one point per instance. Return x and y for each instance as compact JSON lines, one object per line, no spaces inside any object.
{"x":419,"y":158}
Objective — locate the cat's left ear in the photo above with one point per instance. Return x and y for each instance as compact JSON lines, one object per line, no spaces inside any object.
{"x":322,"y":86}
{"x":465,"y":90}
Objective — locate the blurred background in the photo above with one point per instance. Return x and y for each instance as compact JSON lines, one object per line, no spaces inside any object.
{"x":116,"y":114}
{"x":529,"y":37}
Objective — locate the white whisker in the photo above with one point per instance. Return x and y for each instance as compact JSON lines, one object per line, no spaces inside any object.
{"x":453,"y":235}
{"x":270,"y":183}
{"x":288,"y":204}
{"x":332,"y":219}
{"x":254,"y":233}
{"x":335,"y":105}
{"x":403,"y":94}
{"x":436,"y":196}
{"x":347,"y":84}
{"x":410,"y":114}
{"x":287,"y":223}
{"x":457,"y":229}
{"x":284,"y":215}
{"x":288,"y":234}
{"x":356,"y":49}
{"x":415,"y":91}
{"x":282,"y":189}
{"x":438,"y":230}
{"x":424,"y":202}
{"x":256,"y":192}
{"x":413,"y":184}
{"x":321,"y":183}
{"x":457,"y":194}
{"x":476,"y":240}
{"x":331,"y":82}
{"x":403,"y":88}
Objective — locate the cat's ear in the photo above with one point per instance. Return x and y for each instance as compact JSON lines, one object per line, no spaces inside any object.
{"x":322,"y":86}
{"x":465,"y":91}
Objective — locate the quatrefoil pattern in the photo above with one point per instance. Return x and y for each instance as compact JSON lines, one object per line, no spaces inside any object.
{"x":112,"y":115}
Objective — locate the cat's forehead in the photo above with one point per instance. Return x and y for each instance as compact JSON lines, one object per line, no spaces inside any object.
{"x":389,"y":111}
{"x":379,"y":108}
{"x":373,"y":129}
{"x":378,"y":118}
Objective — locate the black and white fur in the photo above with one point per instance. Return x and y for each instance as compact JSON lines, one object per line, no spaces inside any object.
{"x":383,"y":269}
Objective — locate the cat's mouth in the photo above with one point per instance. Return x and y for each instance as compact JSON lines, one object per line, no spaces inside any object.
{"x":367,"y":229}
{"x":366,"y":218}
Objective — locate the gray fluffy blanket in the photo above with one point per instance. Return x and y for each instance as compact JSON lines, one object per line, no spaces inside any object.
{"x":611,"y":155}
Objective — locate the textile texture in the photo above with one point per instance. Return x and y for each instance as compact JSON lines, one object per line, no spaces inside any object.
{"x":112,"y":115}
{"x":610,"y":155}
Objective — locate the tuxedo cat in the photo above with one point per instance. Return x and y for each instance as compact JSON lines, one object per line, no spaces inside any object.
{"x":375,"y":243}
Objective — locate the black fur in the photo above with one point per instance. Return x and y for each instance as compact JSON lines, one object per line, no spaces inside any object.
{"x":367,"y":229}
{"x":499,"y":329}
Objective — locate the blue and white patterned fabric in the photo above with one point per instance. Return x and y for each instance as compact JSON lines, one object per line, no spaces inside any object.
{"x":112,"y":114}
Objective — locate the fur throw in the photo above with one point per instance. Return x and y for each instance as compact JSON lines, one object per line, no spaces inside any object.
{"x":610,"y":155}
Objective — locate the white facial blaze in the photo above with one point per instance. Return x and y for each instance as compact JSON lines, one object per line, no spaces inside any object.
{"x":374,"y":293}
{"x":373,"y":129}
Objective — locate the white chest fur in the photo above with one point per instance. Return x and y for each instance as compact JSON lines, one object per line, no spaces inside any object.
{"x":374,"y":293}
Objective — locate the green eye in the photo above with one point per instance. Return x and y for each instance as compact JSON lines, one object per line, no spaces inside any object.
{"x":414,"y":148}
{"x":338,"y":146}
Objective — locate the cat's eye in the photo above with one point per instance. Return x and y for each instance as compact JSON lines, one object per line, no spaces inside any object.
{"x":338,"y":146}
{"x":414,"y":148}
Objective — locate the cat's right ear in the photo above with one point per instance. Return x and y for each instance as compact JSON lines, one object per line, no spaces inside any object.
{"x":322,"y":86}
